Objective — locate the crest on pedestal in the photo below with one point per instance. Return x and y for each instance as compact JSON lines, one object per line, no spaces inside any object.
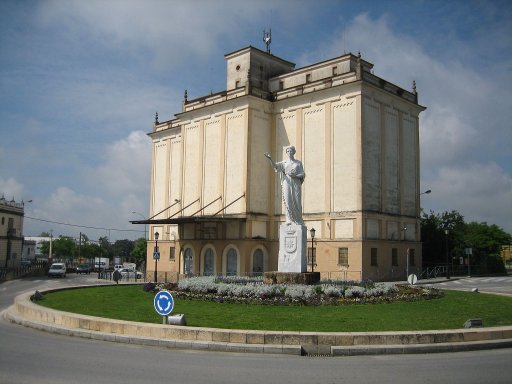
{"x":290,"y":244}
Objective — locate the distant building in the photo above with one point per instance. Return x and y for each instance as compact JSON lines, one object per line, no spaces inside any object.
{"x":39,"y":240}
{"x":216,"y":202}
{"x":29,"y":250}
{"x":11,"y":232}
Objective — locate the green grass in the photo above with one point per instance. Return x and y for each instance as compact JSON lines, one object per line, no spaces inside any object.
{"x":130,"y":302}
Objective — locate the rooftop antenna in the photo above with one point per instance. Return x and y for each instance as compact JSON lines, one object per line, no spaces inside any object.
{"x":267,"y":39}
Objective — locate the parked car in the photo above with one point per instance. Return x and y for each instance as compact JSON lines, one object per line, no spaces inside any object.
{"x":83,"y":268}
{"x":127,"y":273}
{"x":57,"y":269}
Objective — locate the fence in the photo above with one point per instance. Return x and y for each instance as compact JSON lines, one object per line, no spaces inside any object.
{"x":11,"y":273}
{"x":109,"y":275}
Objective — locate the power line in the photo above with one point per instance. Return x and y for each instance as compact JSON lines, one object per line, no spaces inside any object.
{"x":83,"y":226}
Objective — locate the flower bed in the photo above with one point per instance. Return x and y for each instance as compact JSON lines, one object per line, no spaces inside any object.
{"x":253,"y":291}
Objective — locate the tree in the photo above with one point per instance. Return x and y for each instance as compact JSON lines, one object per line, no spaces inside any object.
{"x":139,"y":251}
{"x":64,"y":247}
{"x":106,"y":248}
{"x":90,"y":251}
{"x":485,"y":240}
{"x":435,"y":239}
{"x":432,"y":236}
{"x":45,"y":248}
{"x":123,"y":248}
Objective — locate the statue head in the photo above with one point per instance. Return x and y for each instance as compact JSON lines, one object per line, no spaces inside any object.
{"x":291,"y":150}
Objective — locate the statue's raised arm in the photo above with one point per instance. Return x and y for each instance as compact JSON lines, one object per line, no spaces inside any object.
{"x":267,"y":155}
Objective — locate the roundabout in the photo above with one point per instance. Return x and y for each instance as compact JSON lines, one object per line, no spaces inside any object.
{"x":27,"y":313}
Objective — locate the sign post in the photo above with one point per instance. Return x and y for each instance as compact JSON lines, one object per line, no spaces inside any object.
{"x":164,"y":304}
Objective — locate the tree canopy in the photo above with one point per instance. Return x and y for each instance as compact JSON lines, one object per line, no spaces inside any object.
{"x":448,"y":232}
{"x":68,"y":248}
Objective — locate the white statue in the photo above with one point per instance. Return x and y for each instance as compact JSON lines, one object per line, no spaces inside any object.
{"x":292,"y":176}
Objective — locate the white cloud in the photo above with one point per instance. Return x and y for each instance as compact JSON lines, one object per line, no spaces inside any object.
{"x":69,"y":212}
{"x":127,"y":168}
{"x":10,"y":188}
{"x":111,"y":192}
{"x":169,"y":32}
{"x":480,"y":192}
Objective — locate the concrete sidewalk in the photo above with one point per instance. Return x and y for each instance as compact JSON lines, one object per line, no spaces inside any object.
{"x":27,"y":313}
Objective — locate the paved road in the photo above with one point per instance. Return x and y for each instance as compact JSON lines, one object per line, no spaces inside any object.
{"x":498,"y":284}
{"x":30,"y":356}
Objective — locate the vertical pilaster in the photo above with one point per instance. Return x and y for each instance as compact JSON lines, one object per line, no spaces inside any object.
{"x":328,"y":156}
{"x":358,"y":227}
{"x":248,"y":121}
{"x":271,"y":181}
{"x":222,"y":159}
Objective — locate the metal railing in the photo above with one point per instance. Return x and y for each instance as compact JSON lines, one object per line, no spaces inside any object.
{"x":433,"y":272}
{"x":11,"y":273}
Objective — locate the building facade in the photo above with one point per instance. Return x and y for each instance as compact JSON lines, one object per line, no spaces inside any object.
{"x":11,"y":232}
{"x":216,"y":201}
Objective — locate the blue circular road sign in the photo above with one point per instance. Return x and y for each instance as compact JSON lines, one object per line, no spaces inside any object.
{"x":164,"y":303}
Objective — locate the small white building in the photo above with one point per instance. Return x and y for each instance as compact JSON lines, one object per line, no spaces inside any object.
{"x":38,"y":241}
{"x":29,"y":250}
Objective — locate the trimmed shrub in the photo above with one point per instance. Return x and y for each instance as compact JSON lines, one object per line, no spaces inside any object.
{"x":250,"y":290}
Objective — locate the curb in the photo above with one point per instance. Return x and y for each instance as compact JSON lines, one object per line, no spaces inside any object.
{"x":25,"y":312}
{"x":11,"y":315}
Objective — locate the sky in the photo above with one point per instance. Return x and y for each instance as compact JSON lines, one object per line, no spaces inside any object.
{"x":80,"y":82}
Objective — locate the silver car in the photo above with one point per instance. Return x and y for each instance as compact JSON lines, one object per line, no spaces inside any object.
{"x":128,"y":273}
{"x":57,"y":269}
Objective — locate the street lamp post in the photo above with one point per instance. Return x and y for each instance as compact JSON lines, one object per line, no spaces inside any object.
{"x":157,"y":235}
{"x":312,"y":233}
{"x":404,"y":230}
{"x":446,"y":248}
{"x":99,"y":259}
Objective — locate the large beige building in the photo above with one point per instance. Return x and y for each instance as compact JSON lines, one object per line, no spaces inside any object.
{"x":216,"y":201}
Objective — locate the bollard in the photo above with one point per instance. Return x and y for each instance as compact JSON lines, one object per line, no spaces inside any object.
{"x":178,"y":319}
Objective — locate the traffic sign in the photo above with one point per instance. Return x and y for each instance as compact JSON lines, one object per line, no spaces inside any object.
{"x":164,"y":303}
{"x":156,"y":255}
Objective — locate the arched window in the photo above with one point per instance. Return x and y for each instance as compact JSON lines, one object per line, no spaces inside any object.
{"x":188,"y":262}
{"x":257,"y":262}
{"x":209,"y":262}
{"x":231,"y":262}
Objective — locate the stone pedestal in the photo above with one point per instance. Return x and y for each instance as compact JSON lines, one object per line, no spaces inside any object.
{"x":292,"y":248}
